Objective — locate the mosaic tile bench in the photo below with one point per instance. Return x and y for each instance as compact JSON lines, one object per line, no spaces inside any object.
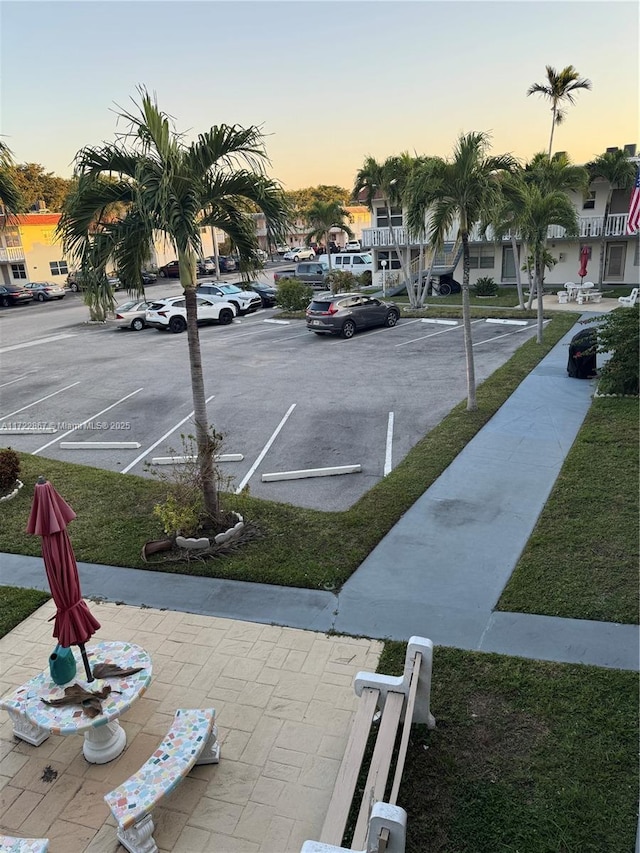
{"x":9,"y":844}
{"x":192,"y":739}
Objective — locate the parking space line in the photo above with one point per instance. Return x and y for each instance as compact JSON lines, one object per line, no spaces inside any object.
{"x":86,"y":421}
{"x":264,"y":450}
{"x":41,"y":400}
{"x":291,"y":337}
{"x":387,"y":455}
{"x":36,"y":343}
{"x":156,"y":443}
{"x":433,"y":334}
{"x":14,"y":380}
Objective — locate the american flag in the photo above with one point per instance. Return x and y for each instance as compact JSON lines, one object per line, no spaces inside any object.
{"x":633,"y":220}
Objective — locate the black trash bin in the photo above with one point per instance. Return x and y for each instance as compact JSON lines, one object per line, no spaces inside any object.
{"x":582,"y":355}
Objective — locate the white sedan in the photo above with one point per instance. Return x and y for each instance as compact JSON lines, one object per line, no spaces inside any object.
{"x":171,"y":313}
{"x":300,"y":253}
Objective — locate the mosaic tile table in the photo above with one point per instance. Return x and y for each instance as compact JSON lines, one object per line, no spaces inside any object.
{"x":104,"y":737}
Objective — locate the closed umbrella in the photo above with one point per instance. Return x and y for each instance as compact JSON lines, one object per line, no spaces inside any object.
{"x":584,"y":260}
{"x":74,"y":623}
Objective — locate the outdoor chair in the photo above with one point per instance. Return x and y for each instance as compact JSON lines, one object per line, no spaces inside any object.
{"x":630,"y":300}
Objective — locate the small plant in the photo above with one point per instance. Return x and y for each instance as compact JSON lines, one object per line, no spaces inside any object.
{"x":9,"y":469}
{"x":182,"y":511}
{"x":293,"y":294}
{"x":619,"y":335}
{"x":366,"y":278}
{"x":485,"y":286}
{"x":342,"y":281}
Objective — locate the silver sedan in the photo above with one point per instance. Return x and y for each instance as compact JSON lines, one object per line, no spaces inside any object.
{"x":130,"y":315}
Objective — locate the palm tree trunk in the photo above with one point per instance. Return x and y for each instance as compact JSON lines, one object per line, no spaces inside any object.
{"x":554,"y":111}
{"x":396,"y":246}
{"x":327,"y":234}
{"x":203,"y":439}
{"x":472,"y":405}
{"x":603,"y":240}
{"x":514,"y":247}
{"x":538,"y":274}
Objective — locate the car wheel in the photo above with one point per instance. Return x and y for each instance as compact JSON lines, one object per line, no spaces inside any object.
{"x":445,"y":289}
{"x":177,"y":325}
{"x":74,"y":287}
{"x":162,"y":274}
{"x":348,"y":329}
{"x":391,"y":319}
{"x":226,"y":317}
{"x":137,"y":324}
{"x":40,"y":297}
{"x":4,"y":302}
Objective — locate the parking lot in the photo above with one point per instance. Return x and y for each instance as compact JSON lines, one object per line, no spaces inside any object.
{"x":285,"y":399}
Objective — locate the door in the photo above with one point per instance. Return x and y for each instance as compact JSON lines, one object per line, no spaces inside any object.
{"x":508,"y":264}
{"x":614,"y":264}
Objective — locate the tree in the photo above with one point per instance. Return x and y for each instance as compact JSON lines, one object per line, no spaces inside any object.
{"x":388,"y":182}
{"x":458,"y":193}
{"x":559,"y":88}
{"x":616,"y":168}
{"x":302,"y":200}
{"x":36,"y":185}
{"x":539,"y":207}
{"x":173,"y":189}
{"x":321,"y":217}
{"x":9,"y":193}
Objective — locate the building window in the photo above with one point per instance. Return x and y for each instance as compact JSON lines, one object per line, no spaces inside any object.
{"x":590,"y":201}
{"x":58,"y":267}
{"x":18,"y":271}
{"x":382,"y":219}
{"x":481,"y":257}
{"x":11,"y":238}
{"x":393,"y":262}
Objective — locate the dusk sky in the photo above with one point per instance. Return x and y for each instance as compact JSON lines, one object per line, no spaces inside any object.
{"x":329,"y":82}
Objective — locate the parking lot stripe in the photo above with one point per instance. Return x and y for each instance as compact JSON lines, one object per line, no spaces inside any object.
{"x":433,"y":334}
{"x":506,"y":335}
{"x":100,"y":445}
{"x":86,"y":421}
{"x":264,"y":450}
{"x":387,"y":455}
{"x":41,"y":400}
{"x":156,"y":443}
{"x":14,"y":380}
{"x":36,"y":343}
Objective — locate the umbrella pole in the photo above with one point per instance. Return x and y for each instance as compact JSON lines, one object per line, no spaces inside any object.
{"x":85,"y":660}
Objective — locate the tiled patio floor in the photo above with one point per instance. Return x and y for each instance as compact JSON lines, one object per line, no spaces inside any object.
{"x":283,"y":698}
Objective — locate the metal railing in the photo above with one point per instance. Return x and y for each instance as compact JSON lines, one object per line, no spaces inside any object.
{"x":13,"y":253}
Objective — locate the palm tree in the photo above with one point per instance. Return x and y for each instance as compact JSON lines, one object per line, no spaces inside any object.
{"x":539,"y":207}
{"x":458,"y":192}
{"x":388,"y":180}
{"x":172,"y":189}
{"x":321,"y":217}
{"x":9,"y":192}
{"x":616,"y":168}
{"x":561,"y":86}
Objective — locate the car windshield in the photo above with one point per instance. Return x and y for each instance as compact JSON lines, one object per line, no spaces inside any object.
{"x":230,"y":288}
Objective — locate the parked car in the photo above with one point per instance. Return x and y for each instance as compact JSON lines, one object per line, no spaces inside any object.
{"x":281,"y":249}
{"x":352,"y":246}
{"x":130,"y":315}
{"x":347,"y":313}
{"x":170,"y":270}
{"x":171,"y":313}
{"x":114,"y":282}
{"x":226,"y":263}
{"x":42,"y":291}
{"x":12,"y":294}
{"x":206,"y":266}
{"x":76,"y":283}
{"x":244,"y":301}
{"x":148,"y":277}
{"x":266,"y":292}
{"x":300,"y":253}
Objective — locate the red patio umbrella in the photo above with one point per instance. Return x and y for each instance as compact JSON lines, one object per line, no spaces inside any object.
{"x":74,"y":623}
{"x":584,"y":260}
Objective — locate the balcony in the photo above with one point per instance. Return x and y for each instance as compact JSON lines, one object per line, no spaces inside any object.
{"x":12,"y":254}
{"x":588,"y":227}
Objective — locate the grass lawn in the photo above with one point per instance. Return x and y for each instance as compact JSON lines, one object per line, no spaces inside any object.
{"x":526,"y":756}
{"x":582,"y":558}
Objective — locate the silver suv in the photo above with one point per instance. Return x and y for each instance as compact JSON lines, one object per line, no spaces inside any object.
{"x":347,"y":313}
{"x":244,"y":301}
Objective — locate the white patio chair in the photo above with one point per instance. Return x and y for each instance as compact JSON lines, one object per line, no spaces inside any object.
{"x":630,"y":300}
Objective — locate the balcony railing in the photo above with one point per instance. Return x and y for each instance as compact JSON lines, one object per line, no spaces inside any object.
{"x":588,"y":226}
{"x":13,"y":253}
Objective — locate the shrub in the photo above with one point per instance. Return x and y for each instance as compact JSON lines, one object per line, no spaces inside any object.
{"x":485,"y":286}
{"x":9,"y":469}
{"x":618,"y":334}
{"x":342,"y":281}
{"x":293,"y":294}
{"x":366,"y":278}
